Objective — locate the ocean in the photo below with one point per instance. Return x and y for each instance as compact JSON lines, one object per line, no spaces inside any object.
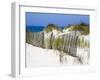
{"x":34,"y":28}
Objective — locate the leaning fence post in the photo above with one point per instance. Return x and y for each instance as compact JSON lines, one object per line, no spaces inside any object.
{"x":42,"y":40}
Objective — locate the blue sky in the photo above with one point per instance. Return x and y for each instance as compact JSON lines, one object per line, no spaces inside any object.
{"x":43,"y":19}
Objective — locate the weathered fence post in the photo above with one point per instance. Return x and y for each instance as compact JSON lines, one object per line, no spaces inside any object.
{"x":73,"y":45}
{"x":51,"y":40}
{"x":42,"y":44}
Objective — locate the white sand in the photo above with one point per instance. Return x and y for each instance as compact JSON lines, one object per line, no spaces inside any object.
{"x":83,"y":54}
{"x":36,"y":57}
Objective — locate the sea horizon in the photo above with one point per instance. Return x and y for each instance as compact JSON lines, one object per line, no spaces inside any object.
{"x":36,"y":28}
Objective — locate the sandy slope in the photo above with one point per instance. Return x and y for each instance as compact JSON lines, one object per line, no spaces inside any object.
{"x":40,"y":57}
{"x":83,"y":54}
{"x":36,"y":57}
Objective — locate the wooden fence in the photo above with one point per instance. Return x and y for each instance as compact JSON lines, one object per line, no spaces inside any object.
{"x":69,"y":44}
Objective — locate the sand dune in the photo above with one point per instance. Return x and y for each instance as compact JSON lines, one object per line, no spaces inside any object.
{"x":37,"y":57}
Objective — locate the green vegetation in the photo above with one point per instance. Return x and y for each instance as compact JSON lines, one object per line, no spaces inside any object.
{"x":51,"y":27}
{"x":29,"y":37}
{"x":82,"y":43}
{"x":58,"y":43}
{"x":83,"y":28}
